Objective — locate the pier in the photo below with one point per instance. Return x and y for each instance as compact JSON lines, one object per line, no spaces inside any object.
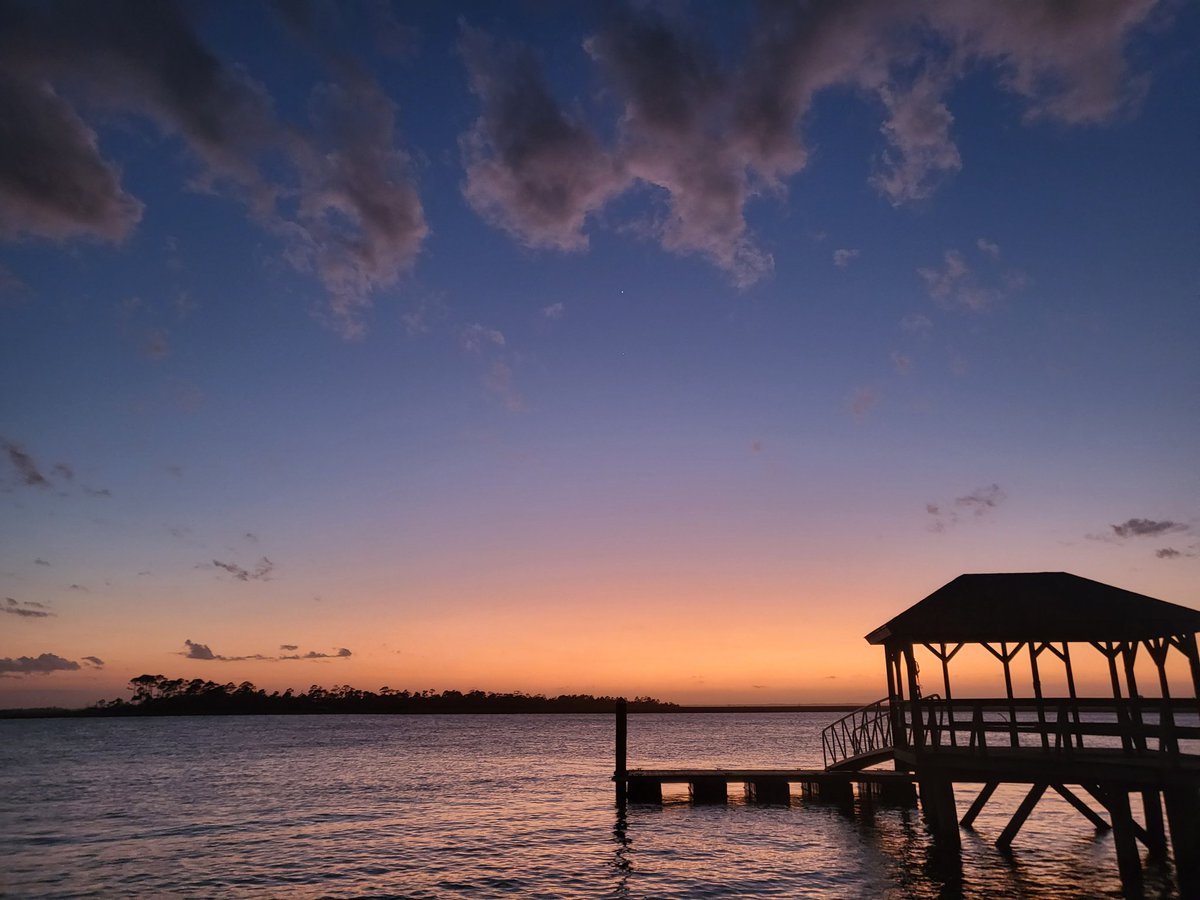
{"x":1103,"y":755}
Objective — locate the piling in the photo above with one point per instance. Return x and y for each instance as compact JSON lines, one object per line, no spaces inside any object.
{"x":621,"y":771}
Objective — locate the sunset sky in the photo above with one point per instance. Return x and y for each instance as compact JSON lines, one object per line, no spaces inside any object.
{"x":581,"y":348}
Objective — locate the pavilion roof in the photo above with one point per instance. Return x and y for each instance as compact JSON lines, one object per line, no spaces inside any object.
{"x":1034,"y":606}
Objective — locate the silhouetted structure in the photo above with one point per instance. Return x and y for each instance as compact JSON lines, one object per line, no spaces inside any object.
{"x":1105,"y":747}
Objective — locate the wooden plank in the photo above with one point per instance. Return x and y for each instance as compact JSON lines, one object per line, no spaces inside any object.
{"x":1004,"y":842}
{"x":977,"y":806}
{"x":1087,"y":811}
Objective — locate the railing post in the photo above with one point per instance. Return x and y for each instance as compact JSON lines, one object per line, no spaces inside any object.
{"x":621,"y":773}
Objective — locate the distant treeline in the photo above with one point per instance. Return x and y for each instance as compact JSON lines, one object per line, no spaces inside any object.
{"x":157,"y":695}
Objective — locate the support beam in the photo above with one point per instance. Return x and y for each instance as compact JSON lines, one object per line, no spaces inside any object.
{"x":709,"y":791}
{"x":898,"y":793}
{"x":831,"y":788}
{"x":1183,"y":814}
{"x":977,"y":806}
{"x":941,"y":815}
{"x":768,"y":791}
{"x":1088,"y":813}
{"x":645,"y":790}
{"x":1004,"y":842}
{"x":1156,"y":834}
{"x":1129,"y":861}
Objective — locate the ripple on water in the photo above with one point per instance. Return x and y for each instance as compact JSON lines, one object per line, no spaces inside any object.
{"x":476,"y":806}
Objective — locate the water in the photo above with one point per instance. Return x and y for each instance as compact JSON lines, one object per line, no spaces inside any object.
{"x":478,"y":806}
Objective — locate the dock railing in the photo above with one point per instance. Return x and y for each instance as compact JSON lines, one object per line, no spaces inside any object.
{"x":866,"y":731}
{"x":1052,"y":724}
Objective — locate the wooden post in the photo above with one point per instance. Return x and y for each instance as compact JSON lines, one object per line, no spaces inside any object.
{"x":1110,"y":653}
{"x":1037,"y":692}
{"x":941,"y":815}
{"x":1183,"y":814}
{"x":1129,"y":657}
{"x":1129,"y":861}
{"x":621,"y":773}
{"x":1156,"y":834}
{"x":914,"y":694}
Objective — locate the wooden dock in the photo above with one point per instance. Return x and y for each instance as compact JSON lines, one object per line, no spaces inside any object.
{"x":1109,"y":750}
{"x":771,"y":785}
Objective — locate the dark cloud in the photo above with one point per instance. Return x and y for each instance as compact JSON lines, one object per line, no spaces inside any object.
{"x":194,"y":650}
{"x":980,"y":502}
{"x":352,"y":215}
{"x":30,"y":609}
{"x":261,"y":571}
{"x":94,"y":661}
{"x":1167,"y":553}
{"x":713,"y":130}
{"x":53,"y":181}
{"x":41,"y":562}
{"x":341,"y":653}
{"x":30,"y":474}
{"x":36,"y":665}
{"x":532,"y":169}
{"x":679,"y":134}
{"x":27,"y":470}
{"x":1146,"y":528}
{"x":77,"y":587}
{"x":197,"y":651}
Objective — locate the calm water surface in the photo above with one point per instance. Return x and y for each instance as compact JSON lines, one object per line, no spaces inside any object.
{"x":477,"y":806}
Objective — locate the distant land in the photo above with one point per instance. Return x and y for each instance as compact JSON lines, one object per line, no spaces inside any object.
{"x":157,"y":695}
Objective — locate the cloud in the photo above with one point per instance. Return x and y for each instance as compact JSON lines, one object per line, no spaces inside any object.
{"x":498,"y":381}
{"x":954,"y":285}
{"x":335,"y":189}
{"x":41,"y":562}
{"x":36,"y":665}
{"x":679,"y":134}
{"x":843,"y":258}
{"x":156,"y":344}
{"x":920,"y":152}
{"x":554,"y":311}
{"x":978,"y":503}
{"x":195,"y":650}
{"x":864,"y":400}
{"x":28,"y":610}
{"x":902,"y":361}
{"x":94,"y":661}
{"x":28,"y":472}
{"x":77,"y":587}
{"x":532,"y":170}
{"x":915,"y":323}
{"x":261,"y":571}
{"x":475,"y":337}
{"x":340,"y":653}
{"x":710,"y":130}
{"x":989,"y":248}
{"x":53,"y":181}
{"x":1146,"y":528}
{"x":1167,"y":553}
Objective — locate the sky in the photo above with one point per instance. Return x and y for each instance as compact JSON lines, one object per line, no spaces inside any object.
{"x":656,"y":349}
